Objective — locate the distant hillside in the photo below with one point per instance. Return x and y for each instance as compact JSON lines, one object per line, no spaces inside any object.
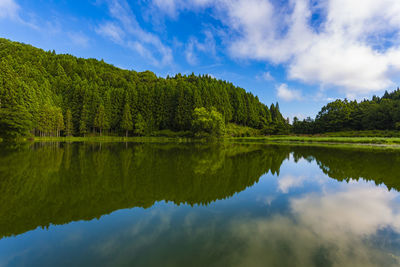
{"x":379,"y":113}
{"x":48,"y":94}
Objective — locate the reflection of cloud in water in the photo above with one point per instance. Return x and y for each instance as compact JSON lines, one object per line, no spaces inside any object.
{"x":329,"y":229}
{"x":360,"y":209}
{"x":115,"y":249}
{"x":287,"y":182}
{"x":266,"y":200}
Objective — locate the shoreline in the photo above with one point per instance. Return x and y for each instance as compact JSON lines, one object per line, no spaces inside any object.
{"x":392,"y":143}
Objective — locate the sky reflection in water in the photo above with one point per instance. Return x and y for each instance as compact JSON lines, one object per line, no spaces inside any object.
{"x":297,"y":216}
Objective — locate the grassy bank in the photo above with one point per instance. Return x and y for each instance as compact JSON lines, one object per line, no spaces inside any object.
{"x":370,"y":133}
{"x":297,"y":140}
{"x":149,"y":139}
{"x":348,"y":145}
{"x":322,"y":139}
{"x":263,"y":139}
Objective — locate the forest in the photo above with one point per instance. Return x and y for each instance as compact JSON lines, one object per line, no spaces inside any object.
{"x":48,"y":94}
{"x":379,"y":113}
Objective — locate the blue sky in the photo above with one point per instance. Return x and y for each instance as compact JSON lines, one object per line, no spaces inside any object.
{"x":301,"y":53}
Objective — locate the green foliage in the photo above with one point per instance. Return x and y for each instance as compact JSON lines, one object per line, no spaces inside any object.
{"x":127,"y":123}
{"x":83,"y":129}
{"x":208,"y":122}
{"x":343,"y":115}
{"x":277,"y":127}
{"x":140,"y":125}
{"x":100,"y":120}
{"x":103,"y":97}
{"x":234,"y":130}
{"x":50,"y":121}
{"x":68,"y":123}
{"x":15,"y":121}
{"x":59,"y":121}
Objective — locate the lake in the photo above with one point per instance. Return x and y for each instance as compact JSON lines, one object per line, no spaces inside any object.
{"x":132,"y":204}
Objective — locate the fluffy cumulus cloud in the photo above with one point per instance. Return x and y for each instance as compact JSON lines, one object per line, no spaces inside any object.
{"x":350,"y":210}
{"x":345,"y":50}
{"x":352,"y":45}
{"x":286,"y":94}
{"x":125,"y":30}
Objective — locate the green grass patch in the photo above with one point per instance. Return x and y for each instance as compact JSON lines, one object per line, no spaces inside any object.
{"x":323,"y":139}
{"x":140,"y":139}
{"x":169,"y":136}
{"x":370,"y":133}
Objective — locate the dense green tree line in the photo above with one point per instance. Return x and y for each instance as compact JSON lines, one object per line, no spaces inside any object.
{"x":49,"y":94}
{"x":379,"y":113}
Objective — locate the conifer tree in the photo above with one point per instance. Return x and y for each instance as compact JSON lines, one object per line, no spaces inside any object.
{"x":59,"y":121}
{"x":140,"y":125}
{"x":83,"y":121}
{"x":127,"y":123}
{"x":15,"y":121}
{"x":68,"y":123}
{"x":100,"y":120}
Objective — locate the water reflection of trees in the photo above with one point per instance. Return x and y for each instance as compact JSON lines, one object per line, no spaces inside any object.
{"x":57,"y":183}
{"x":380,"y":166}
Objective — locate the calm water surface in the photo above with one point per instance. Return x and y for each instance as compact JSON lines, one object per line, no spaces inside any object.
{"x":196,"y":205}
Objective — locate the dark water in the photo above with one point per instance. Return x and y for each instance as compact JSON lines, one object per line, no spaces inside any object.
{"x":197,"y":205}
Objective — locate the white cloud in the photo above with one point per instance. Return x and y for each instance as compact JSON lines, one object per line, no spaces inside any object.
{"x":352,"y":66}
{"x":286,"y":94}
{"x":9,"y":9}
{"x":355,"y":47}
{"x":193,"y":46}
{"x":267,"y":76}
{"x":169,"y":7}
{"x":340,"y":52}
{"x":126,"y":31}
{"x":189,"y":52}
{"x":112,"y":31}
